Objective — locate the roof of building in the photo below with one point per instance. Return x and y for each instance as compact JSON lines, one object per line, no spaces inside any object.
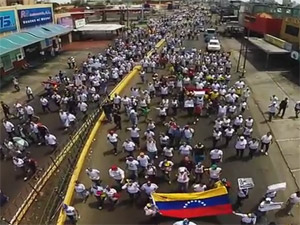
{"x":266,"y":46}
{"x":100,"y":27}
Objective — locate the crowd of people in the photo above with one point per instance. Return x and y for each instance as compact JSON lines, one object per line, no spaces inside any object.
{"x":197,"y":84}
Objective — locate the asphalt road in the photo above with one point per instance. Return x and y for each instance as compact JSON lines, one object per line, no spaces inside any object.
{"x":261,"y":168}
{"x":11,"y":182}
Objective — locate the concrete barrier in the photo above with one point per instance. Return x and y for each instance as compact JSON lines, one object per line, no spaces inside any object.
{"x":118,"y":89}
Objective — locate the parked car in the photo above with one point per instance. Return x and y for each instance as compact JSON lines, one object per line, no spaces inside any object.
{"x":213,"y":45}
{"x":209,"y":33}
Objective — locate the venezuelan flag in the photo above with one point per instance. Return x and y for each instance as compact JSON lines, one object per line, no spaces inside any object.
{"x":191,"y":205}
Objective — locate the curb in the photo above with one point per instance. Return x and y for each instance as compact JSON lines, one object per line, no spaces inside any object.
{"x":78,"y":168}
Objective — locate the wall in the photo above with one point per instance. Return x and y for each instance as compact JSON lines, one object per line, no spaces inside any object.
{"x":264,"y":25}
{"x":290,"y":38}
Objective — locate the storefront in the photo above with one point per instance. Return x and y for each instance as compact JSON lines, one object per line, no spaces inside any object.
{"x":290,"y":30}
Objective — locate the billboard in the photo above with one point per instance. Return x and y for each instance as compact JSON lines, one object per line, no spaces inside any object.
{"x":7,"y":21}
{"x":66,"y":21}
{"x":34,"y":17}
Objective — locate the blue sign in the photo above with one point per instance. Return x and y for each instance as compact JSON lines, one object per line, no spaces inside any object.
{"x":35,"y":17}
{"x":7,"y":21}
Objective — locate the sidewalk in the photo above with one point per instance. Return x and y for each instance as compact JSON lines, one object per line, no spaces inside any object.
{"x":286,"y":131}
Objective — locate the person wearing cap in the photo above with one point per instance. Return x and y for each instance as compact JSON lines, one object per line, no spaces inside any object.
{"x":113,"y":138}
{"x":214,"y":174}
{"x":133,"y":189}
{"x":266,"y":140}
{"x":272,"y":110}
{"x":117,"y":174}
{"x":249,"y":218}
{"x":150,"y":210}
{"x":71,"y":213}
{"x":99,"y":194}
{"x":132,"y":167}
{"x":240,"y":146}
{"x":149,"y":188}
{"x":166,"y":167}
{"x":129,"y":146}
{"x":94,"y":175}
{"x":81,"y":191}
{"x":183,"y":179}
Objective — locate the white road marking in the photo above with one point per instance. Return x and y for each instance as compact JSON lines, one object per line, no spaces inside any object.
{"x":288,"y":139}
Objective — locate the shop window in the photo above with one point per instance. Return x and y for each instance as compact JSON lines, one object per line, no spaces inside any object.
{"x":7,"y":63}
{"x":291,"y":30}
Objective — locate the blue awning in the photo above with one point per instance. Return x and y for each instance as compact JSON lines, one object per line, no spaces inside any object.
{"x":48,"y":31}
{"x":16,"y":41}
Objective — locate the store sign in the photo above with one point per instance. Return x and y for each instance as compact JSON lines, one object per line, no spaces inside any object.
{"x":295,"y":55}
{"x":35,"y":16}
{"x":66,"y":21}
{"x":7,"y":21}
{"x":79,"y":23}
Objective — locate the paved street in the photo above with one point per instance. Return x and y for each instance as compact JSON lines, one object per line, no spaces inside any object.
{"x":12,"y":183}
{"x":265,"y":170}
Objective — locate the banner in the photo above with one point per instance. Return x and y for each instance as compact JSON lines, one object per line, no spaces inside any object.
{"x":35,"y":17}
{"x":7,"y":21}
{"x":191,"y":205}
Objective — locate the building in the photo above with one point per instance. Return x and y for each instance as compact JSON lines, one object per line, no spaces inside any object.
{"x":25,"y":33}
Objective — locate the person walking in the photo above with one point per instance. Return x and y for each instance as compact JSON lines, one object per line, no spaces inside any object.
{"x":249,"y":218}
{"x":51,"y":141}
{"x":216,"y":156}
{"x":45,"y":104}
{"x":183,"y":179}
{"x":282,"y":107}
{"x":99,"y":194}
{"x":16,"y":84}
{"x":94,"y":175}
{"x":241,"y":196}
{"x":133,"y":189}
{"x":272,"y":110}
{"x":297,"y":109}
{"x":6,"y":110}
{"x":71,"y":213}
{"x":117,"y":174}
{"x":29,"y":93}
{"x":81,"y":191}
{"x":113,"y":138}
{"x":253,"y":146}
{"x":293,"y":200}
{"x":266,"y":140}
{"x":240,"y":146}
{"x":9,"y":128}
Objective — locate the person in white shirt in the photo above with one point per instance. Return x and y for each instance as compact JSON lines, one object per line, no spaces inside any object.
{"x":117,"y":174}
{"x":133,"y":189}
{"x":185,"y":149}
{"x":163,"y":140}
{"x":149,"y":188}
{"x":249,"y":218}
{"x":20,"y":165}
{"x":183,"y":179}
{"x":152,"y":149}
{"x":168,"y":152}
{"x":70,"y":120}
{"x":214,"y":174}
{"x":71,"y":213}
{"x":199,"y":187}
{"x":216,"y":156}
{"x":129,"y":146}
{"x":51,"y":141}
{"x":45,"y":104}
{"x":217,"y":135}
{"x":237,"y":122}
{"x":188,"y":134}
{"x":112,"y":196}
{"x":253,"y":145}
{"x":240,"y":146}
{"x":83,"y":107}
{"x":149,"y":134}
{"x":9,"y":128}
{"x":132,"y":167}
{"x":29,"y":93}
{"x":144,"y":161}
{"x":135,"y":135}
{"x":94,"y":175}
{"x":228,"y":135}
{"x":266,"y":140}
{"x":249,"y":122}
{"x":99,"y":194}
{"x":189,"y":106}
{"x":113,"y":138}
{"x":247,"y":132}
{"x":81,"y":191}
{"x":293,"y":200}
{"x":150,"y":209}
{"x":272,"y":110}
{"x":29,"y":111}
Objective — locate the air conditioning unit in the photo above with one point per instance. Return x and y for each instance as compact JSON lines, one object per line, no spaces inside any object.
{"x":19,"y":57}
